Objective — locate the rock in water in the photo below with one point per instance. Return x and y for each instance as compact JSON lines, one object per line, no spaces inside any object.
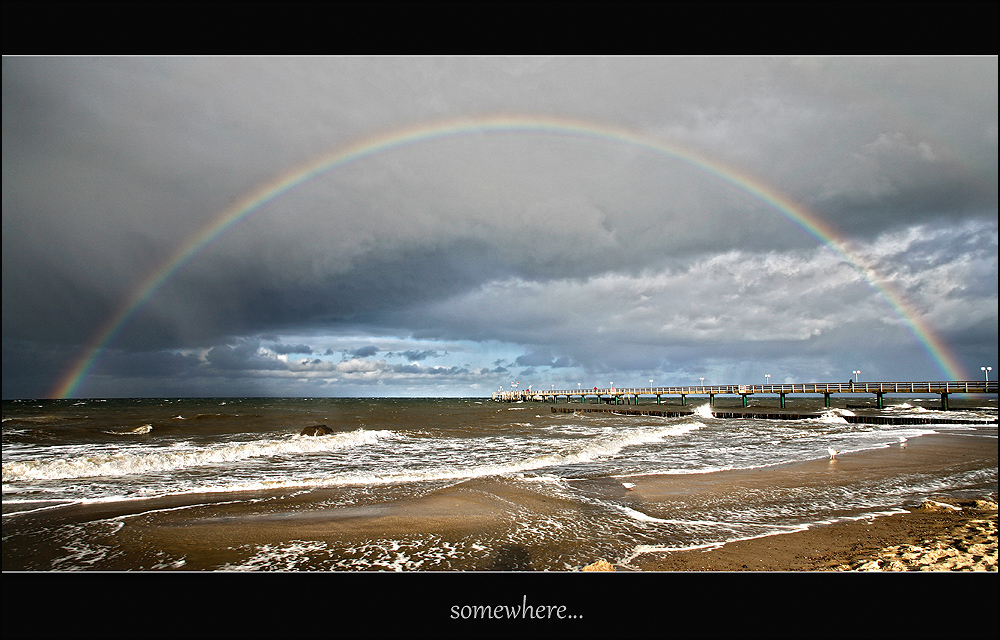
{"x":316,"y":430}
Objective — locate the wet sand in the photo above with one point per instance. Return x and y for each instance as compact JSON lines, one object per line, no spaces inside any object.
{"x":928,"y":537}
{"x":449,"y":513}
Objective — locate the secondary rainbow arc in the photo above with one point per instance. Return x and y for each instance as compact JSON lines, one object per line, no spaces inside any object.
{"x":492,"y":123}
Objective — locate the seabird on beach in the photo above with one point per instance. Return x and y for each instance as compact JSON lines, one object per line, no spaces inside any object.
{"x":902,"y":442}
{"x":833,"y":452}
{"x":628,"y":485}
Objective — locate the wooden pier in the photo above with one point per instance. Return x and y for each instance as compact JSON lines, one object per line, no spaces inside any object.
{"x":616,"y":396}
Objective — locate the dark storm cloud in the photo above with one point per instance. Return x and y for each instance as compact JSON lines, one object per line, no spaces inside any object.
{"x":286,"y":349}
{"x":785,"y":302}
{"x":365,"y":352}
{"x":432,"y":371}
{"x":557,"y":255}
{"x":241,"y":356}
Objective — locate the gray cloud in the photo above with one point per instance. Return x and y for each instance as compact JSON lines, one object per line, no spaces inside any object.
{"x":557,"y":256}
{"x":365,"y":352}
{"x":414,"y":355}
{"x":286,"y":349}
{"x":537,"y":359}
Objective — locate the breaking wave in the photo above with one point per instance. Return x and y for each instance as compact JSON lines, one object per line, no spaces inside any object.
{"x":144,"y":429}
{"x":600,"y":448}
{"x":123,"y":464}
{"x":605,"y":447}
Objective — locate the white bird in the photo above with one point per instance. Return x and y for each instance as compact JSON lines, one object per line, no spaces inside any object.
{"x":629,"y":485}
{"x":902,"y":442}
{"x":833,"y":452}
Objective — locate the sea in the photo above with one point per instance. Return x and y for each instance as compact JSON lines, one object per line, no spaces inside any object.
{"x":78,"y":475}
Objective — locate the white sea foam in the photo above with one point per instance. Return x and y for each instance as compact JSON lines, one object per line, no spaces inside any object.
{"x":544,"y":478}
{"x":704,"y":411}
{"x":23,"y":507}
{"x":128,"y":463}
{"x":284,"y":557}
{"x":411,"y":554}
{"x":909,"y":408}
{"x":601,"y":448}
{"x":834,"y":416}
{"x":638,"y":515}
{"x":772,"y":530}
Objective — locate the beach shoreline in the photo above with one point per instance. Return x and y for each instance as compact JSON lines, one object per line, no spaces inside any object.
{"x":952,"y":530}
{"x":933,"y":537}
{"x":211,"y":533}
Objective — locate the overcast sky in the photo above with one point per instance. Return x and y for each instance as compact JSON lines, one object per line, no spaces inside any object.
{"x":456,"y":266}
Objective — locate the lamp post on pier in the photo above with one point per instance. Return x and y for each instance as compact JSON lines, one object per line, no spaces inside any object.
{"x":986,"y":370}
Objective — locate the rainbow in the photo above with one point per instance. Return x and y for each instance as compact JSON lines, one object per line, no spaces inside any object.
{"x":496,"y":123}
